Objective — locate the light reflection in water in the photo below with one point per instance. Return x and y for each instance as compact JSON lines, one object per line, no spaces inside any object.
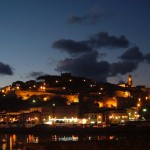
{"x":32,"y":139}
{"x":17,"y":141}
{"x":10,"y":141}
{"x":4,"y":146}
{"x":68,"y":138}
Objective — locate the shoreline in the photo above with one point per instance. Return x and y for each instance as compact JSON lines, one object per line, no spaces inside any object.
{"x":70,"y":130}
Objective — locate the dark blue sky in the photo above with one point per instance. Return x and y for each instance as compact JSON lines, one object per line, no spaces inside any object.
{"x":100,"y":39}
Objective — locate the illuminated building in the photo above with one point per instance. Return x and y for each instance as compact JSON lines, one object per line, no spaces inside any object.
{"x":94,"y":118}
{"x":118,"y":117}
{"x":59,"y":112}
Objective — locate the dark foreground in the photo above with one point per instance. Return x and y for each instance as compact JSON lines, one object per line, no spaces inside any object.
{"x":92,"y":145}
{"x":134,"y":138}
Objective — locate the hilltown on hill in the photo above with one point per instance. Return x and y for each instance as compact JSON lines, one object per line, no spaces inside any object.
{"x":69,"y":100}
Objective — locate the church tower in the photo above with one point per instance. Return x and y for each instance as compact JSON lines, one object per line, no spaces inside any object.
{"x":130,"y":81}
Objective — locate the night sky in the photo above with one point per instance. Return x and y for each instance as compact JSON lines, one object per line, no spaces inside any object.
{"x":105,"y":40}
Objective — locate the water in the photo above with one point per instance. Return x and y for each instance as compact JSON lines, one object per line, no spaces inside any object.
{"x":18,"y":141}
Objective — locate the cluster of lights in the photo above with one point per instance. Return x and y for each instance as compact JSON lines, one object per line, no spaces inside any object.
{"x":42,"y":87}
{"x":65,"y":120}
{"x":118,"y":117}
{"x":72,"y":120}
{"x":32,"y":119}
{"x":133,"y":116}
{"x":7,"y":119}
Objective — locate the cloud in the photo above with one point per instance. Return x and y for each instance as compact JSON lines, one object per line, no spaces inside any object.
{"x":88,"y":60}
{"x":85,"y":65}
{"x":5,"y":69}
{"x":132,"y":54}
{"x":122,"y":68}
{"x":72,"y":47}
{"x":103,"y":39}
{"x":87,"y":19}
{"x":35,"y":74}
{"x":99,"y":40}
{"x":88,"y":65}
{"x":95,"y":14}
{"x":147,"y":58}
{"x":77,"y":20}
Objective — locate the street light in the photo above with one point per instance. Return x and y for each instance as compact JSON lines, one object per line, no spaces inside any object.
{"x":138,"y":105}
{"x":33,"y":101}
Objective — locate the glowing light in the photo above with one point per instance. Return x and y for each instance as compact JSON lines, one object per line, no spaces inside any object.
{"x":45,"y":98}
{"x":17,"y":87}
{"x":76,"y":100}
{"x":84,"y":121}
{"x":33,"y":101}
{"x":63,"y":119}
{"x":138,"y":105}
{"x":35,"y":118}
{"x":144,"y":109}
{"x":49,"y":122}
{"x":92,"y":122}
{"x":99,"y":117}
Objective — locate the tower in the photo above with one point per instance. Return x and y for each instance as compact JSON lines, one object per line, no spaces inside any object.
{"x":129,"y":80}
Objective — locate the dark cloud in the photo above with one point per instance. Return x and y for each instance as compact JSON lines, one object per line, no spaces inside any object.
{"x":94,"y":15}
{"x":77,"y":19}
{"x":147,"y":58}
{"x":103,"y":39}
{"x":89,"y":63}
{"x":87,"y":19}
{"x":35,"y":74}
{"x":72,"y":47}
{"x":5,"y":69}
{"x":122,"y":67}
{"x":86,"y":65}
{"x":132,"y":54}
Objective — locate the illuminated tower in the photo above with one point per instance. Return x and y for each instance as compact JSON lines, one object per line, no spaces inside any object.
{"x":130,"y":80}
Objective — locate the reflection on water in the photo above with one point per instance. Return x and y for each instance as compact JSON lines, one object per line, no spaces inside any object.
{"x":32,"y":139}
{"x":11,"y":142}
{"x":18,"y":141}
